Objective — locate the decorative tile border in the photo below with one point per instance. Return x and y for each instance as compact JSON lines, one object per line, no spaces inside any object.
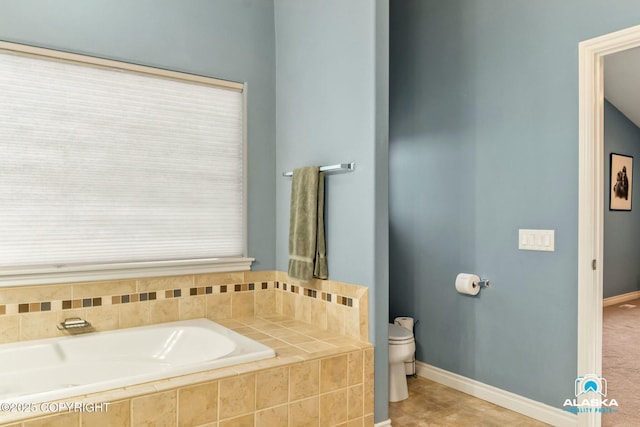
{"x":32,"y":307}
{"x":81,"y":303}
{"x":202,"y":290}
{"x":104,"y":300}
{"x":312,"y":293}
{"x":141,"y":297}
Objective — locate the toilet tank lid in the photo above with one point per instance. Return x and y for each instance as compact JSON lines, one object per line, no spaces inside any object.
{"x":397,"y":332}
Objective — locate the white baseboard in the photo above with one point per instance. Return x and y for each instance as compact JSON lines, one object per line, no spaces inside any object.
{"x":619,"y":299}
{"x":506,"y":399}
{"x":386,"y":423}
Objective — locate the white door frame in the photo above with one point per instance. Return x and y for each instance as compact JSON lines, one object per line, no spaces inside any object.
{"x":591,"y":198}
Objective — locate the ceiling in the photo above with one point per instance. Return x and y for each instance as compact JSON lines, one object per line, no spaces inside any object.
{"x":622,"y":82}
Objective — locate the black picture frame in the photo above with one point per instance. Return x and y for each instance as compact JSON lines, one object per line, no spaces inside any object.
{"x":621,"y":183}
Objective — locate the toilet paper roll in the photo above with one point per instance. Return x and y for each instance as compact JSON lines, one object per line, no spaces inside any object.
{"x":405,"y":322}
{"x":467,"y":284}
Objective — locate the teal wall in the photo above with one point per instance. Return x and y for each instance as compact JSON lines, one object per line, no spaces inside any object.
{"x":331,"y":107}
{"x":226,"y":39}
{"x":621,"y":228}
{"x":484,"y":141}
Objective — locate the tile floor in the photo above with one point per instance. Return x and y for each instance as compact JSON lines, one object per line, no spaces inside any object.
{"x":433,"y":404}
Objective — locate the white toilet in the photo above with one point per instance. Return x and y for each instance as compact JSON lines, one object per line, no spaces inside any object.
{"x":401,"y":348}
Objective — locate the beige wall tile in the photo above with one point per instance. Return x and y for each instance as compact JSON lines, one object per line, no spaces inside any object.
{"x":243,"y":421}
{"x":324,"y":285}
{"x":39,"y":325}
{"x":314,"y":284}
{"x":355,"y":402}
{"x":158,"y":410}
{"x":333,"y":373}
{"x":272,"y":387}
{"x":352,"y":322}
{"x":117,"y":414}
{"x":273,"y":417}
{"x":164,"y":310}
{"x":62,"y":420}
{"x":303,"y":308}
{"x":281,"y":276}
{"x":159,"y":283}
{"x":368,"y":381}
{"x":192,"y":307}
{"x":304,"y":380}
{"x":133,"y":314}
{"x":363,"y":305}
{"x":368,"y":397}
{"x":319,"y":313}
{"x":237,"y":396}
{"x":96,"y":289}
{"x":279,"y":298}
{"x":305,"y":413}
{"x":288,"y":304}
{"x":218,"y":306}
{"x":368,"y":364}
{"x":335,"y":318}
{"x":333,"y":408}
{"x":265,"y":302}
{"x":198,"y":404}
{"x":25,"y":294}
{"x":242,"y":304}
{"x":358,"y":422}
{"x":368,"y":420}
{"x":214,"y":279}
{"x":103,"y":318}
{"x":292,"y":281}
{"x":346,"y":289}
{"x":9,"y":328}
{"x":355,"y":368}
{"x":259,"y":276}
{"x":68,"y":314}
{"x":339,"y":288}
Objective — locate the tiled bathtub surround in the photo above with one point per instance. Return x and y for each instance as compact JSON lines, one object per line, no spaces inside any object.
{"x":33,"y":312}
{"x":317,"y":379}
{"x":333,"y":306}
{"x":322,"y":375}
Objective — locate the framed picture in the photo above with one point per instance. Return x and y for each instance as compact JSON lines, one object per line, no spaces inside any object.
{"x":621,"y":182}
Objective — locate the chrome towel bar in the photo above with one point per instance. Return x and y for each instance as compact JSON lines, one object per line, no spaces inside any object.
{"x":333,"y":169}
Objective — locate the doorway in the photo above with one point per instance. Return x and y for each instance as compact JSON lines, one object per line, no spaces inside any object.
{"x":591,"y":199}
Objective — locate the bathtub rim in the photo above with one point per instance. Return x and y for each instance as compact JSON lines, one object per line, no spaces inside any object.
{"x":263,"y":352}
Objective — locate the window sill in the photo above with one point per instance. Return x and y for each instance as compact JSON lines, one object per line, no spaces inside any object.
{"x":90,"y":273}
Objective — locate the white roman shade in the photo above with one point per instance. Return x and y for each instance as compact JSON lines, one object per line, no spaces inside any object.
{"x":101,"y":166}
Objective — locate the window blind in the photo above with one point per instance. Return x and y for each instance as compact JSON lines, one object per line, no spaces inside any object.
{"x":102,"y":166}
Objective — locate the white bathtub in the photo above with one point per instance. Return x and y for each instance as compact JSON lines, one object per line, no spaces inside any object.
{"x":57,"y":368}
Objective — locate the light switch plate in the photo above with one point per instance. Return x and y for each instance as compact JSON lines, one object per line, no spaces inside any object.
{"x":536,"y":240}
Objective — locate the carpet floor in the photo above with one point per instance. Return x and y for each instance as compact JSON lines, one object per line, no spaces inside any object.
{"x":621,"y":362}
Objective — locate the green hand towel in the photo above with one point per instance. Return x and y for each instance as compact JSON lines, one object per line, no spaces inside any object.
{"x":306,"y":226}
{"x":320,"y":269}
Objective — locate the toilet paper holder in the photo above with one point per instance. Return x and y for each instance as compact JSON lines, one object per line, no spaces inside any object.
{"x":483,"y":283}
